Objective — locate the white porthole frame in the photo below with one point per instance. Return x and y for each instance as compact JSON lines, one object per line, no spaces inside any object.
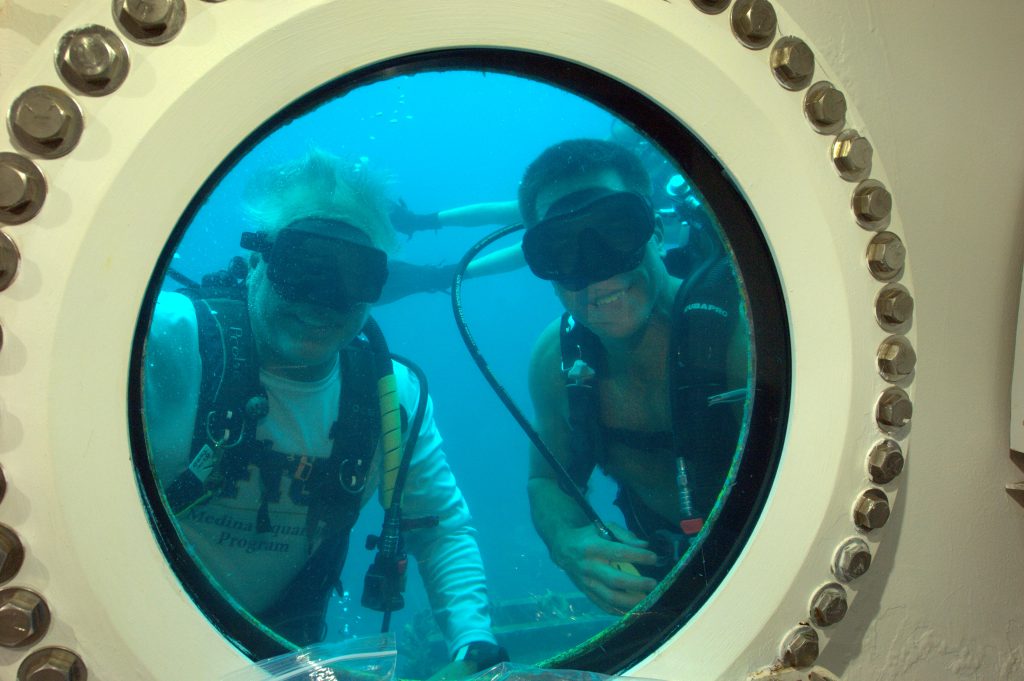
{"x":69,"y":316}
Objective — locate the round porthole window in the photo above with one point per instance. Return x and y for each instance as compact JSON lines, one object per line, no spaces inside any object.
{"x":296,"y":474}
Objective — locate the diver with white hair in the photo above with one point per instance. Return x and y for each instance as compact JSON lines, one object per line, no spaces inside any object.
{"x":274,"y":413}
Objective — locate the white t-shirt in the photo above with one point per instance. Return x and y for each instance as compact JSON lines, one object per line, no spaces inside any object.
{"x":253,"y":567}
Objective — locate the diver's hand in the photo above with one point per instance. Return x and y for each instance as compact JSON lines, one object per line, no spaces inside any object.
{"x":408,"y":222}
{"x":590,"y":561}
{"x":471,"y":659}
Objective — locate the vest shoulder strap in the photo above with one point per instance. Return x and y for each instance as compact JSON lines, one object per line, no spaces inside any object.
{"x":582,"y":359}
{"x":231,"y":398}
{"x":705,"y":430}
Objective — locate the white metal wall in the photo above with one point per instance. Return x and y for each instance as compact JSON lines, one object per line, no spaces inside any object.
{"x":933,"y":84}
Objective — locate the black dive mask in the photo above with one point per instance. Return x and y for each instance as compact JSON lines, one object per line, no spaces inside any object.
{"x":589,"y":236}
{"x":312,"y":268}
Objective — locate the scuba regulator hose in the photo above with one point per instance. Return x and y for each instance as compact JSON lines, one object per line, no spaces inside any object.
{"x":385,"y":578}
{"x":565,"y":480}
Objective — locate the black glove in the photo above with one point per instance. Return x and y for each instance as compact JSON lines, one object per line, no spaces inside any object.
{"x":408,"y":222}
{"x":483,"y":654}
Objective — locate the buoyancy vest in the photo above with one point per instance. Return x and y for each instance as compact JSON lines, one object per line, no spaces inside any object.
{"x":231,"y":403}
{"x":704,"y":432}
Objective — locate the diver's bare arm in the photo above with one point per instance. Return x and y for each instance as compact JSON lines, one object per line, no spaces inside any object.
{"x":477,"y":214}
{"x":505,"y":260}
{"x":587,"y":558}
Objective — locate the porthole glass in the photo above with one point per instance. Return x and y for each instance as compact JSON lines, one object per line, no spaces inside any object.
{"x":259,"y":429}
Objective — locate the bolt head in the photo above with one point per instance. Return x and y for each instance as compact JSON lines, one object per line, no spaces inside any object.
{"x":14,"y":187}
{"x":853,"y":154}
{"x":873,"y":204}
{"x":89,"y":55}
{"x":52,"y":664}
{"x":9,"y":261}
{"x":149,"y":13}
{"x":895,"y":306}
{"x":795,"y":61}
{"x":709,"y":6}
{"x":894,"y":409}
{"x":24,"y":618}
{"x":12,"y":553}
{"x":885,"y":462}
{"x":871,"y":510}
{"x":896,"y":359}
{"x":41,"y":117}
{"x":852,"y":560}
{"x":887,"y":255}
{"x":829,"y":605}
{"x":827,"y":106}
{"x":800,"y":648}
{"x":757,"y":20}
{"x":150,"y":22}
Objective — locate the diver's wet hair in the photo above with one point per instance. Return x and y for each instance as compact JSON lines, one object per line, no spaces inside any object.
{"x":319,"y":185}
{"x":573,"y":158}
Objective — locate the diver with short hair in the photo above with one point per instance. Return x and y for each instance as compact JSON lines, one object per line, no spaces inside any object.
{"x":639,"y":377}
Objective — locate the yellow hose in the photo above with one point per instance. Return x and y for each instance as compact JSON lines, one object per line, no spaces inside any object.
{"x":390,"y":434}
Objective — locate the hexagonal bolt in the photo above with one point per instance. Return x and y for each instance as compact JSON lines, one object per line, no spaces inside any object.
{"x":24,"y":617}
{"x":852,"y":560}
{"x":894,"y":306}
{"x":3,"y":477}
{"x":894,"y":409}
{"x":14,"y":188}
{"x":22,"y":189}
{"x":150,"y":22}
{"x":93,"y":60}
{"x":886,"y":256}
{"x":153,"y":14}
{"x":10,"y":259}
{"x":52,"y":664}
{"x":46,"y":121}
{"x":89,"y":55}
{"x":896,"y":359}
{"x":872,"y":203}
{"x":825,"y":106}
{"x":40,"y":115}
{"x":792,"y":62}
{"x":871,"y":510}
{"x":852,"y":154}
{"x":885,"y":462}
{"x":711,"y":6}
{"x":754,"y":22}
{"x":800,"y":647}
{"x":12,"y":554}
{"x":828,"y":605}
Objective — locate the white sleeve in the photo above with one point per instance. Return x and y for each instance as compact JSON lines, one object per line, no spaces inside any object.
{"x":447,"y":555}
{"x":171,"y":376}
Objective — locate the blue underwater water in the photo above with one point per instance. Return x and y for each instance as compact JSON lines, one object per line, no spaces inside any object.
{"x":442,"y":140}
